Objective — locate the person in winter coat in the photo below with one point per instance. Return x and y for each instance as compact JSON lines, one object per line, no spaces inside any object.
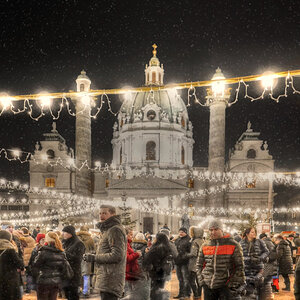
{"x":220,"y":265}
{"x":297,"y":281}
{"x":86,"y":267}
{"x":173,"y":248}
{"x":255,"y":254}
{"x":51,"y":263}
{"x":158,"y":261}
{"x":15,"y":239}
{"x":30,"y":244}
{"x":270,"y":268}
{"x":35,"y":232}
{"x":10,"y":266}
{"x":183,"y":246}
{"x":32,"y":271}
{"x":74,"y":250}
{"x":110,"y":258}
{"x":137,"y":284}
{"x":197,"y":241}
{"x":285,"y":261}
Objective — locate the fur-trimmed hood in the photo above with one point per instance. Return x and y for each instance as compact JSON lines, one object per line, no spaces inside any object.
{"x":196,"y":232}
{"x":87,"y":240}
{"x":140,"y":241}
{"x":5,"y":244}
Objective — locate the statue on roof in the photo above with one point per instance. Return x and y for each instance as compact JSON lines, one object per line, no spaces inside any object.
{"x":249,"y":126}
{"x":54,"y":127}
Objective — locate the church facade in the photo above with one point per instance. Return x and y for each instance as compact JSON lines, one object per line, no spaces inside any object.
{"x":153,"y":144}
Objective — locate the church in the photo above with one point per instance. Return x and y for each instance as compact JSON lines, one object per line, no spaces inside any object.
{"x":152,"y":148}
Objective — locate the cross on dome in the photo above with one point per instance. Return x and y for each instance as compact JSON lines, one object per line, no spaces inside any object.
{"x":154,"y":49}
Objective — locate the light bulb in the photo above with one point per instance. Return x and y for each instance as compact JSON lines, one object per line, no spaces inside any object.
{"x":46,"y":101}
{"x":16,"y":153}
{"x":218,"y":88}
{"x":267,"y":80}
{"x":5,"y":100}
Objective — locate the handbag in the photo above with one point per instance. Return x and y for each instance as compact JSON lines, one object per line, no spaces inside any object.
{"x":68,"y":271}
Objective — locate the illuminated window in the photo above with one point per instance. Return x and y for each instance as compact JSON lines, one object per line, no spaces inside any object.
{"x":159,"y":76}
{"x":81,"y":87}
{"x":50,"y":154}
{"x":153,"y":76}
{"x":191,"y":183}
{"x":251,"y":185}
{"x":50,"y":182}
{"x":150,"y":151}
{"x":251,"y":153}
{"x":106,"y":182}
{"x":182,"y":155}
{"x":121,"y":157}
{"x":122,"y":122}
{"x":183,"y":122}
{"x":148,"y":77}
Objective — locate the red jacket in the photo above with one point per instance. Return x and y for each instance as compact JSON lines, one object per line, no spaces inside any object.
{"x":132,"y":267}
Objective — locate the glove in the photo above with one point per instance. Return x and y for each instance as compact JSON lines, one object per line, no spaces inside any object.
{"x":89,"y":257}
{"x":255,"y":260}
{"x":258,"y":279}
{"x":240,"y":290}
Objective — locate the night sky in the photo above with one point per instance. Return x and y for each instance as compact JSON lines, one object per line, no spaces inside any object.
{"x":45,"y":44}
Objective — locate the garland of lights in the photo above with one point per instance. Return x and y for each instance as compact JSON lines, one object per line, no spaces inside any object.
{"x":43,"y":102}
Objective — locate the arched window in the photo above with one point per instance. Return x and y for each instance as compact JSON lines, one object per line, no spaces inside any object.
{"x":251,"y":153}
{"x":153,"y":77}
{"x":121,"y":156}
{"x":183,"y":122}
{"x":182,"y":155}
{"x":159,"y":76}
{"x":150,"y":151}
{"x":50,"y":154}
{"x":81,"y":87}
{"x":147,"y":77}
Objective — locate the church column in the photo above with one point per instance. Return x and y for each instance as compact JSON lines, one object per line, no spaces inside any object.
{"x":217,"y":99}
{"x":83,"y":181}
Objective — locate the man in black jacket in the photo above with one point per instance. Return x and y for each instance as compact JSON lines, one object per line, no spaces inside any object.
{"x":183,"y":246}
{"x":74,"y":250}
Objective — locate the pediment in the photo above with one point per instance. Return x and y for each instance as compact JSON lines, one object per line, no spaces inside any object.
{"x":143,"y":183}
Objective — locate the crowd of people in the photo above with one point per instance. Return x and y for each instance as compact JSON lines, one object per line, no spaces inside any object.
{"x":119,"y":263}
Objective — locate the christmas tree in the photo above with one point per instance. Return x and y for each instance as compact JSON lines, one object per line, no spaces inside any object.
{"x":126,"y":215}
{"x":251,"y":222}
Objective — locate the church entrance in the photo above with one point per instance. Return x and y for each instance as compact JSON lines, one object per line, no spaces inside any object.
{"x":148,"y":224}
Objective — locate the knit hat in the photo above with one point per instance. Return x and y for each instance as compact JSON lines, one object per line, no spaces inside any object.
{"x":25,"y":230}
{"x":69,"y":229}
{"x":39,"y":237}
{"x":165,"y":231}
{"x":52,"y":238}
{"x":139,"y":236}
{"x":215,"y":224}
{"x":5,"y":235}
{"x":183,"y":229}
{"x":262,"y":235}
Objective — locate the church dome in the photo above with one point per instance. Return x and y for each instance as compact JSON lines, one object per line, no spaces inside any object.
{"x":168,"y":101}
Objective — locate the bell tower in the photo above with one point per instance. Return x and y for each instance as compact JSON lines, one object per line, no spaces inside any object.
{"x":83,"y":181}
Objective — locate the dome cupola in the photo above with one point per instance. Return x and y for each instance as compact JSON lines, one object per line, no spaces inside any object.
{"x":155,"y":71}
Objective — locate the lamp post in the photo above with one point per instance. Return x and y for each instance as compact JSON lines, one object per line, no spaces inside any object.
{"x":217,"y":100}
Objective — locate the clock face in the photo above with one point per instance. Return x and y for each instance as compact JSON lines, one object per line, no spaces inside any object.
{"x":151,"y":114}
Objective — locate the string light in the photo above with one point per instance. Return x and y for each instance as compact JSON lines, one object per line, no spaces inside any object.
{"x":63,"y":99}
